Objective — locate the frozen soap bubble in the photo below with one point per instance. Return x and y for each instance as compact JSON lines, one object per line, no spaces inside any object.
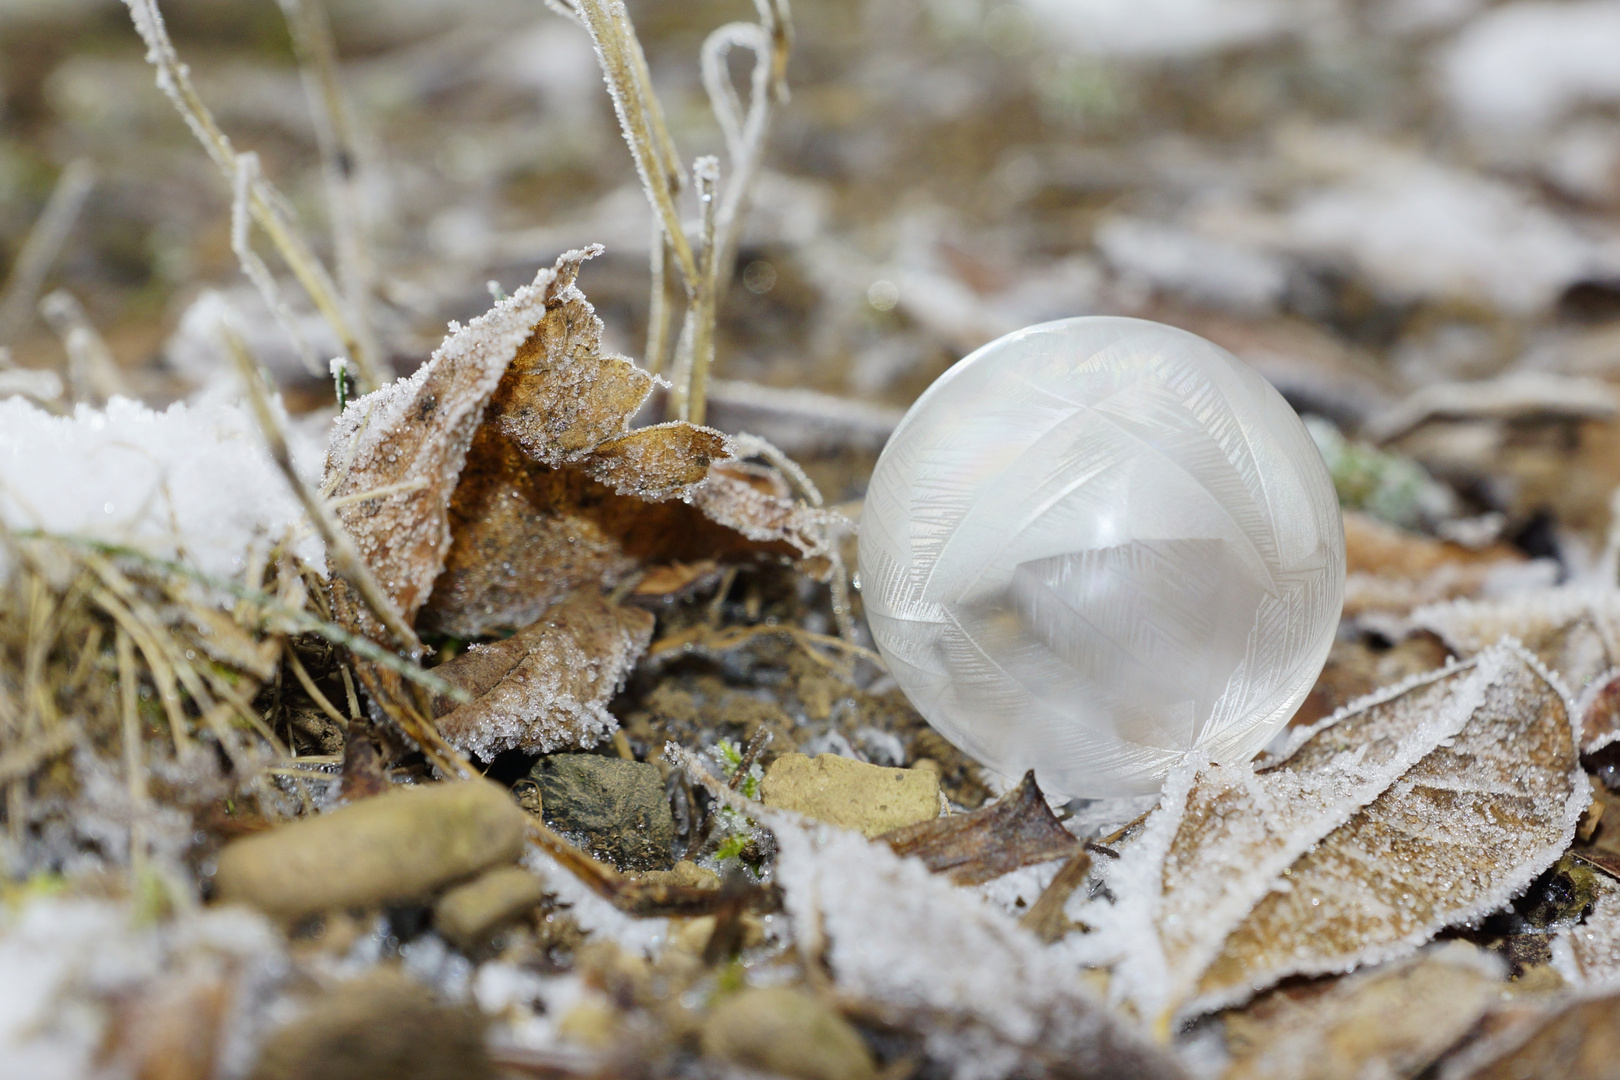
{"x":1098,"y":546}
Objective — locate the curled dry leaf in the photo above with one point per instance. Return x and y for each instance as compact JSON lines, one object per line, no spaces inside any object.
{"x":1575,"y":630}
{"x":510,"y":451}
{"x":1390,"y":1021}
{"x":559,"y":494}
{"x":547,"y":686}
{"x":1018,"y":830}
{"x":503,"y":476}
{"x":1427,"y":804}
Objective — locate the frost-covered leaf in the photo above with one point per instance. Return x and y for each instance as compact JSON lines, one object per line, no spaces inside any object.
{"x":548,"y":685}
{"x":1018,"y":830}
{"x":1392,"y":570}
{"x":1390,"y":1021}
{"x":1424,"y":805}
{"x":1571,"y":629}
{"x":409,"y":441}
{"x":1577,"y":1038}
{"x":1575,"y":630}
{"x":1588,"y":953}
{"x":506,"y":474}
{"x":998,"y":1003}
{"x":527,"y":534}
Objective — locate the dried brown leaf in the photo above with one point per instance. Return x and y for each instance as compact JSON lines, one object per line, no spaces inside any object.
{"x":527,"y":534}
{"x":1578,"y":1041}
{"x":508,"y":476}
{"x":504,"y":476}
{"x":1018,"y":830}
{"x":1424,"y":805}
{"x":1575,"y":630}
{"x":410,"y":439}
{"x":1391,"y":570}
{"x":1390,"y":1021}
{"x":548,"y":685}
{"x":677,"y":578}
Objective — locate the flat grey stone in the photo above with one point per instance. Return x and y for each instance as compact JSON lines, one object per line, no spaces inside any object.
{"x":613,"y":808}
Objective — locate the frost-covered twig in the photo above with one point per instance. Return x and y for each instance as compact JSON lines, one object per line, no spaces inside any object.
{"x":657,"y":302}
{"x":267,"y":206}
{"x":624,"y":66}
{"x":688,"y":394}
{"x":346,"y":560}
{"x":43,"y":243}
{"x":340,"y":159}
{"x":247,"y":173}
{"x":93,"y":374}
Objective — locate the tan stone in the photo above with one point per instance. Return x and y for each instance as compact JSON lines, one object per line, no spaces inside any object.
{"x":871,"y":799}
{"x":403,"y":845}
{"x":468,"y":913}
{"x":786,"y":1031}
{"x":686,"y":874}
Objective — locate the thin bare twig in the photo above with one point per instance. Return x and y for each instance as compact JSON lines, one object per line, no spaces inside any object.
{"x":44,"y":242}
{"x":266,"y":204}
{"x":340,"y":548}
{"x":340,"y":160}
{"x":657,"y":302}
{"x":314,"y":692}
{"x":93,"y":374}
{"x":247,"y":173}
{"x":689,"y":378}
{"x":624,"y":66}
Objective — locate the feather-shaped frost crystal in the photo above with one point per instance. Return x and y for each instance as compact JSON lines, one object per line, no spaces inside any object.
{"x":1100,"y":546}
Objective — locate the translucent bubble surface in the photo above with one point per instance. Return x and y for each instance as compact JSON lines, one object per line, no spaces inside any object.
{"x":1098,"y":545}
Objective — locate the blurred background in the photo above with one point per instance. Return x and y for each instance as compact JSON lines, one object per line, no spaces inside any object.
{"x":1406,"y":213}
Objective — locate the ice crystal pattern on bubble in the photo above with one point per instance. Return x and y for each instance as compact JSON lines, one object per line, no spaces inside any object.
{"x":1098,"y":546}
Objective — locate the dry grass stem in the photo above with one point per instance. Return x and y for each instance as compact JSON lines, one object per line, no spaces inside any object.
{"x":93,"y":373}
{"x":642,"y":118}
{"x":657,"y":302}
{"x":340,"y":162}
{"x":340,"y":547}
{"x":247,"y":173}
{"x":687,"y":395}
{"x":746,"y":130}
{"x":314,"y":692}
{"x":267,"y":206}
{"x":43,"y":243}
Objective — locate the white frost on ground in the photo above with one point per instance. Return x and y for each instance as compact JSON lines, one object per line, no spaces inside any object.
{"x":190,"y":482}
{"x":642,"y":937}
{"x":1421,"y":231}
{"x":1200,"y":268}
{"x":1164,"y":28}
{"x":68,"y":965}
{"x":896,"y":933}
{"x":1522,"y":66}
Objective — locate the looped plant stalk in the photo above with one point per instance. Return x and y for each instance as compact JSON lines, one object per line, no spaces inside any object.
{"x":705,"y":269}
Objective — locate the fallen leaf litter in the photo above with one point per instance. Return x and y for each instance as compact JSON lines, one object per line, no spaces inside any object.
{"x":246,"y":835}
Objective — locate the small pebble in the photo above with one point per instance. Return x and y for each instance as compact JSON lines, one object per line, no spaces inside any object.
{"x":403,"y":845}
{"x":871,"y":799}
{"x":469,"y":913}
{"x":786,"y":1031}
